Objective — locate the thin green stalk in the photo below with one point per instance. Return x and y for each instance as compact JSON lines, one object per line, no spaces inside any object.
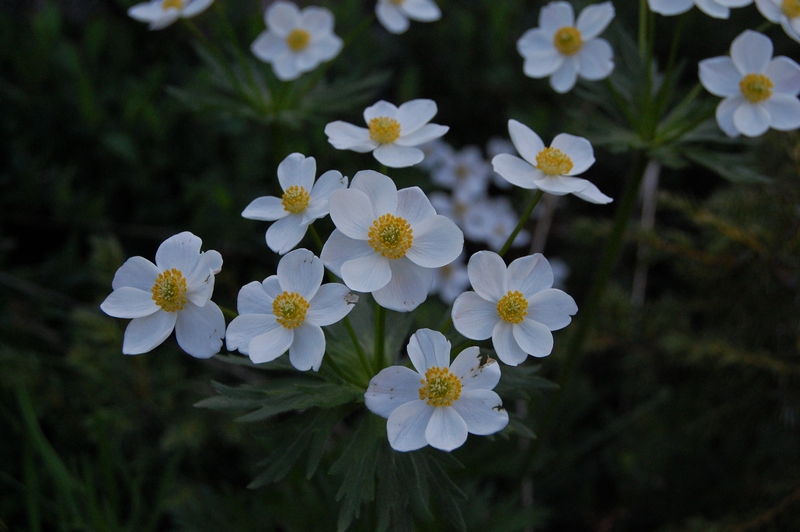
{"x":228,"y":312}
{"x":315,"y":236}
{"x":642,"y":28}
{"x":764,"y":26}
{"x":588,"y":310}
{"x":380,"y":336}
{"x":522,"y":221}
{"x":620,"y":101}
{"x":676,"y":37}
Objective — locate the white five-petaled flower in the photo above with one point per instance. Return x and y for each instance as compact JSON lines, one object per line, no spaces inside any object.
{"x":173,"y":293}
{"x":783,"y":12}
{"x":713,"y":8}
{"x":391,"y":132}
{"x":439,"y":403}
{"x":565,"y":49}
{"x":515,"y":306}
{"x":759,"y":92}
{"x":287,"y":311}
{"x":394,"y":14}
{"x":161,"y":13}
{"x":296,"y":42}
{"x":549,"y":169}
{"x":303,"y":201}
{"x":386,"y":240}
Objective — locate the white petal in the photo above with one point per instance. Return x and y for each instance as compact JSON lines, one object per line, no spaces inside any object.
{"x":414,"y":114}
{"x":483,"y":411}
{"x":392,"y":387}
{"x":555,"y":16}
{"x":751,"y":120}
{"x":488,"y":275}
{"x":301,"y":272}
{"x":530,"y":274}
{"x":724,"y":114}
{"x":785,"y":76}
{"x":318,"y":204}
{"x":170,"y":16}
{"x":473,"y":375}
{"x":791,"y":27}
{"x":137,"y":272}
{"x":784,"y":112}
{"x":426,"y":133}
{"x":514,"y":170}
{"x":368,"y":273}
{"x":268,"y":46}
{"x":527,"y":143}
{"x":147,"y":333}
{"x":286,"y":233}
{"x":409,"y":286}
{"x":506,"y":346}
{"x":297,"y":170}
{"x":428,"y":349}
{"x":285,"y":67}
{"x":270,"y":345}
{"x":592,"y":194}
{"x":552,"y":308}
{"x":413,"y":206}
{"x":594,"y":19}
{"x":381,"y":108}
{"x":421,"y":10}
{"x":352,"y":212}
{"x":446,"y":430}
{"x":308,"y":347}
{"x":329,"y":305}
{"x":395,"y":156}
{"x":326,"y":48}
{"x":712,"y":8}
{"x":595,"y":60}
{"x":339,"y":249}
{"x":181,"y":251}
{"x":720,"y":76}
{"x":196,"y":7}
{"x":253,"y":299}
{"x":533,"y":337}
{"x":265,"y":208}
{"x":146,"y":11}
{"x":129,"y":302}
{"x":200,"y":330}
{"x":316,"y":20}
{"x":578,"y":149}
{"x":474,"y":317}
{"x":560,"y":185}
{"x":282,"y":17}
{"x":272,"y":286}
{"x":406,"y":425}
{"x":751,"y":52}
{"x":344,"y":136}
{"x":391,"y":17}
{"x":541,"y":57}
{"x":245,"y":327}
{"x":670,"y":7}
{"x":437,"y":241}
{"x":381,"y":190}
{"x":208,"y":263}
{"x":565,"y":77}
{"x":770,"y":10}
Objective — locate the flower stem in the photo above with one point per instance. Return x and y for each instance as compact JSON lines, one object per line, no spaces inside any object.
{"x":522,"y":221}
{"x":380,"y":336}
{"x":315,"y":236}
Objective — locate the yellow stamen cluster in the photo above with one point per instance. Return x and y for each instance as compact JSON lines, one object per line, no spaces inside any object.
{"x":295,"y":199}
{"x":553,"y":161}
{"x":791,"y":8}
{"x":513,"y":307}
{"x":756,"y":87}
{"x":167,"y":4}
{"x":391,"y":236}
{"x":398,"y":2}
{"x":568,"y":40}
{"x":439,"y":387}
{"x":298,"y":40}
{"x":290,"y":309}
{"x":384,"y":130}
{"x":169,"y":290}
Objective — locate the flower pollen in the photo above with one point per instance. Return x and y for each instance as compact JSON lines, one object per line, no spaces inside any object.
{"x":513,"y":307}
{"x":169,"y":290}
{"x":756,"y":87}
{"x":391,"y":236}
{"x":170,"y":4}
{"x":791,"y":8}
{"x":290,"y":309}
{"x":553,"y":161}
{"x":384,"y":130}
{"x":297,"y":40}
{"x":439,"y":387}
{"x":568,"y":40}
{"x":295,"y":199}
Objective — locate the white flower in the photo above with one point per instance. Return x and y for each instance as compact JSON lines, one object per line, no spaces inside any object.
{"x":466,"y":172}
{"x":439,"y":403}
{"x":496,"y":146}
{"x":386,"y":241}
{"x":713,"y":8}
{"x":303,"y":201}
{"x":394,"y":14}
{"x":391,"y":134}
{"x":450,"y":280}
{"x":549,"y":169}
{"x":517,"y":307}
{"x":162,"y":13}
{"x":296,"y":42}
{"x":564,"y":49}
{"x":759,"y":92}
{"x":173,"y":293}
{"x":785,"y":12}
{"x":287,"y":311}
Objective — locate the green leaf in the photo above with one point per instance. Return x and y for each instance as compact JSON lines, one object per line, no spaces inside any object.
{"x":735,"y":167}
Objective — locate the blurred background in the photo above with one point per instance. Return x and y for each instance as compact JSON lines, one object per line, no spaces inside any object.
{"x":684,"y":414}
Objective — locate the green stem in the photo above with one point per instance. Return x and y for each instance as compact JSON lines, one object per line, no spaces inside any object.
{"x":315,"y":236}
{"x":589,"y":309}
{"x":764,"y":26}
{"x":643,"y":28}
{"x":522,"y":221}
{"x":380,"y":336}
{"x":228,"y":312}
{"x":673,"y":49}
{"x":362,"y":356}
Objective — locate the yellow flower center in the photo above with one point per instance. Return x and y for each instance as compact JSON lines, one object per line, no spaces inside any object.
{"x":791,"y":8}
{"x":397,"y":2}
{"x":295,"y":199}
{"x":169,"y":291}
{"x":290,"y":309}
{"x":391,"y":236}
{"x":384,"y":130}
{"x":513,"y":307}
{"x":167,"y":4}
{"x":568,"y":40}
{"x":298,"y":39}
{"x":439,"y":387}
{"x":553,"y":161}
{"x":756,"y":87}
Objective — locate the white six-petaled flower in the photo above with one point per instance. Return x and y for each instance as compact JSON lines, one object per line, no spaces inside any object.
{"x":552,"y":169}
{"x":394,"y":14}
{"x":759,"y":92}
{"x":161,"y":13}
{"x":295,"y":41}
{"x":287,"y":312}
{"x":391,"y":134}
{"x":439,"y":403}
{"x":515,"y":306}
{"x":386,"y":241}
{"x":565,"y":49}
{"x":174,"y":293}
{"x":783,"y":12}
{"x":303,"y":201}
{"x":713,"y":8}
